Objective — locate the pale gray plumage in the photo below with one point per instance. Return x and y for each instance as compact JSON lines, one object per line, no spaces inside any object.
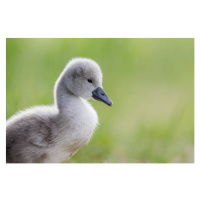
{"x":55,"y":133}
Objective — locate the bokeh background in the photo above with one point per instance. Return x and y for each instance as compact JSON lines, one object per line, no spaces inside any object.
{"x":150,"y":81}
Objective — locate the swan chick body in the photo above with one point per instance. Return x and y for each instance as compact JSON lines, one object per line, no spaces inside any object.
{"x":53,"y":134}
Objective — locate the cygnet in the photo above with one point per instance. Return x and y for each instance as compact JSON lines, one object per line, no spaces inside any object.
{"x":53,"y":134}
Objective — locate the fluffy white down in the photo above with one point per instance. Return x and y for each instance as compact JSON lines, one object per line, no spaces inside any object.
{"x":79,"y":128}
{"x":75,"y":128}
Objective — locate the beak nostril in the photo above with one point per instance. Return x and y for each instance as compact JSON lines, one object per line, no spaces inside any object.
{"x":102,"y":94}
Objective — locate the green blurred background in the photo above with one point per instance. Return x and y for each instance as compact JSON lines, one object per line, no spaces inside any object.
{"x":150,"y":81}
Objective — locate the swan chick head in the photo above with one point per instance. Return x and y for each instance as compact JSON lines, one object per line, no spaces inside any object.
{"x":83,"y":78}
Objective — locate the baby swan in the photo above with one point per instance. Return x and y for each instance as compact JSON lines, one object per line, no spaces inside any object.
{"x":53,"y":134}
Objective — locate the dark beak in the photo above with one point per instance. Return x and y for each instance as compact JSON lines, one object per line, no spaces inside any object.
{"x":100,"y":95}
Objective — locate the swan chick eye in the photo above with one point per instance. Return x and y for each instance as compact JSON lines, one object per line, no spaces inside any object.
{"x":89,"y":80}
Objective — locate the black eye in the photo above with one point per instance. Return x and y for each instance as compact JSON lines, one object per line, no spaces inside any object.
{"x":89,"y":80}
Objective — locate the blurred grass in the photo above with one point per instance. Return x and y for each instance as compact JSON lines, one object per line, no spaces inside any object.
{"x":151,"y":82}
